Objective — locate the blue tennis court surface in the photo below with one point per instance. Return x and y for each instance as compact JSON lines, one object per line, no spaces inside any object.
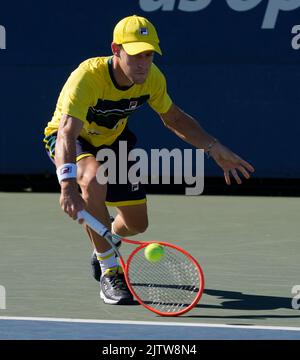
{"x":72,"y":329}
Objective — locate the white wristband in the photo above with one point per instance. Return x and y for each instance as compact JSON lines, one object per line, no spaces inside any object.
{"x":66,"y":171}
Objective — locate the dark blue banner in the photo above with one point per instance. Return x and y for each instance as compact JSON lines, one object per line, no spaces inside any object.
{"x":232,"y":64}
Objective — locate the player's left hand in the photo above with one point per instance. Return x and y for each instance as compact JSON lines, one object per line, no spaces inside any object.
{"x":230,"y":163}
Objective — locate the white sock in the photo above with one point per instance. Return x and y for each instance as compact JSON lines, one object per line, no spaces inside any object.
{"x":107,"y":260}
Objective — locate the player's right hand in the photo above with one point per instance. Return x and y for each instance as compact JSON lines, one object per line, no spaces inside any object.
{"x":231,"y":163}
{"x":70,"y":200}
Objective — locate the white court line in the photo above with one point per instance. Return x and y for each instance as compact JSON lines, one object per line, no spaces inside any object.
{"x":151,"y":323}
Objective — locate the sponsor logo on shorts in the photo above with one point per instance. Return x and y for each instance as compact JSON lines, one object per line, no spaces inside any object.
{"x":135,"y":187}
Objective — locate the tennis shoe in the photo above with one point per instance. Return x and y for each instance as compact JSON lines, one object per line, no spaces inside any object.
{"x":113,"y":288}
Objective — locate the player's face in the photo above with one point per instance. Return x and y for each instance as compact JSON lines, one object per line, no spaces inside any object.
{"x":136,"y":67}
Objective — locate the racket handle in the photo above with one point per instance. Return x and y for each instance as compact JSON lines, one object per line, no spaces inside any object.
{"x":92,"y":222}
{"x":99,"y":228}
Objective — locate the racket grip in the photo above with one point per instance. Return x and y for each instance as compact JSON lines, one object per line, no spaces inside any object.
{"x":92,"y":222}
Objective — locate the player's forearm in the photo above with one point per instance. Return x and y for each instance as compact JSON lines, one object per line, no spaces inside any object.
{"x":65,"y":149}
{"x":65,"y":153}
{"x":68,"y":131}
{"x":189,"y":130}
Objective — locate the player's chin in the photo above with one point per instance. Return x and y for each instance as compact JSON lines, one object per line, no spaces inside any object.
{"x":139,"y":79}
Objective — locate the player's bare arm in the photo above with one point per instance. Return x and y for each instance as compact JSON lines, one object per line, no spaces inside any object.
{"x":189,"y":130}
{"x":65,"y":150}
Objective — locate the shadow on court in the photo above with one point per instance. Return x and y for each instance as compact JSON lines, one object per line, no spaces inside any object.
{"x":234,"y":300}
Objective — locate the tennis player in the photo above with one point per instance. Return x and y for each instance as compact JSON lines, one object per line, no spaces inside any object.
{"x":91,"y":114}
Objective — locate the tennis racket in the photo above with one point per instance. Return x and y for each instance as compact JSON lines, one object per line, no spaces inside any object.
{"x":169,"y":287}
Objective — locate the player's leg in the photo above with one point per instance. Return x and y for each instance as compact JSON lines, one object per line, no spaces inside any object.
{"x":130,"y":201}
{"x":131,"y":220}
{"x":113,"y":289}
{"x":132,"y":217}
{"x":94,"y":195}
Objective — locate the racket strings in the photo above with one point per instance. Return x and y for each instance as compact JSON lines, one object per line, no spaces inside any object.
{"x":168,"y":285}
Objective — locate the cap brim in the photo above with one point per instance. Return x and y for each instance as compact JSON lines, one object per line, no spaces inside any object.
{"x":135,"y":48}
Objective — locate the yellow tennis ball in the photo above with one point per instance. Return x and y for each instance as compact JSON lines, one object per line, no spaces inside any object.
{"x":154,"y":252}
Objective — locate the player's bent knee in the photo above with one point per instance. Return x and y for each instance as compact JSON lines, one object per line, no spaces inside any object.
{"x":139,"y":228}
{"x":91,"y":188}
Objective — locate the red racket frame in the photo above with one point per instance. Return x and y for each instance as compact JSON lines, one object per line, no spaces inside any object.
{"x":143,"y":244}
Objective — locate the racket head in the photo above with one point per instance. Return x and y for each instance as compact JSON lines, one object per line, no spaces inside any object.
{"x":169,"y":287}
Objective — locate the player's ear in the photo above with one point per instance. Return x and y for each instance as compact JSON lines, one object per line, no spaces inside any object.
{"x":115,"y":48}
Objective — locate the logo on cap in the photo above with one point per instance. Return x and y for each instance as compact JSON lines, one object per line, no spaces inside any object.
{"x":143,"y":31}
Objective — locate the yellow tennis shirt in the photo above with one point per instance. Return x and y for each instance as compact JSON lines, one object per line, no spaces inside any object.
{"x":92,"y":95}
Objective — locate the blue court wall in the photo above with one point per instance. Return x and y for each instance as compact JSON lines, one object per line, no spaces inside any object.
{"x":232,"y":64}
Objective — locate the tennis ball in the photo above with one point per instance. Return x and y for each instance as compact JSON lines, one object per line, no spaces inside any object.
{"x":154,"y":252}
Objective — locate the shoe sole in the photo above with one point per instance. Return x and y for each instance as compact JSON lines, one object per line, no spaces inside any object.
{"x":116,"y":302}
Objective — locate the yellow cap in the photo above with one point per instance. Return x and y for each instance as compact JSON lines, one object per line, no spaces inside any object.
{"x":136,"y":34}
